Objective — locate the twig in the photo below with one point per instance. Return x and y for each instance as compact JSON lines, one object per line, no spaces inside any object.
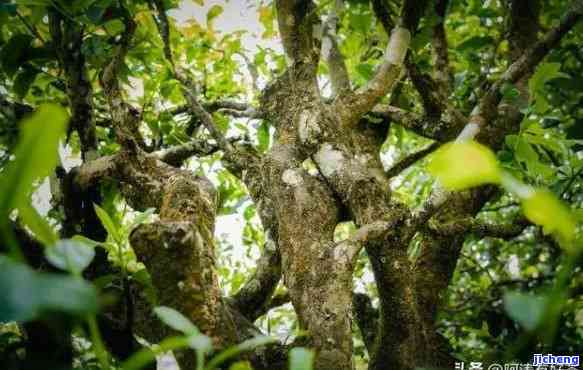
{"x":411,"y":159}
{"x":32,"y":29}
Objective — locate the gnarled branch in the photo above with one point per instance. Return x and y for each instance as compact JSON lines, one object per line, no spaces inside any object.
{"x":366,"y":317}
{"x":431,"y":128}
{"x":67,"y":38}
{"x":251,"y":300}
{"x":125,"y":118}
{"x":228,"y":107}
{"x":481,"y":228}
{"x":297,"y":22}
{"x":411,"y":159}
{"x":353,"y":105}
{"x":442,"y":73}
{"x":332,"y":54}
{"x":486,"y":110}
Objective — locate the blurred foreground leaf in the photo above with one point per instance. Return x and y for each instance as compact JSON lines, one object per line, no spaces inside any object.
{"x":464,"y":165}
{"x":27,"y":294}
{"x":35,"y":156}
{"x":544,"y":209}
{"x":301,"y":359}
{"x":175,"y":320}
{"x":525,"y":309}
{"x":70,"y":255}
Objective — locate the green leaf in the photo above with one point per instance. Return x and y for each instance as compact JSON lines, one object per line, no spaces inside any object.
{"x":114,"y":26}
{"x":510,"y":92}
{"x":527,"y":310}
{"x":201,"y":343}
{"x":263,"y":136}
{"x":475,"y":43}
{"x":27,"y":294}
{"x":266,"y":17}
{"x":525,"y":153}
{"x":365,"y":70}
{"x":176,"y":320}
{"x":142,"y":217}
{"x":95,"y":13}
{"x":37,"y":224}
{"x":301,"y":359}
{"x":168,"y":88}
{"x":360,"y":20}
{"x":249,"y":212}
{"x":241,"y":365}
{"x":83,"y":239}
{"x":460,"y":166}
{"x":107,"y":222}
{"x":145,"y":356}
{"x":199,"y":2}
{"x":544,"y":209}
{"x":8,"y":9}
{"x":34,"y":2}
{"x":233,"y":351}
{"x":213,"y":12}
{"x":544,"y":73}
{"x":81,"y":5}
{"x":24,"y":80}
{"x":14,"y":53}
{"x":70,"y":255}
{"x":35,"y":156}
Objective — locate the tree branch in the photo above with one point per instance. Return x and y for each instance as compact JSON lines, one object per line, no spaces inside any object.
{"x":176,"y":155}
{"x":440,"y":251}
{"x":188,"y":86}
{"x":433,"y":102}
{"x":366,"y":317}
{"x":251,"y":300}
{"x":198,"y":110}
{"x":354,"y":105}
{"x":125,"y":118}
{"x":361,"y":101}
{"x":32,"y":29}
{"x":434,"y":97}
{"x":442,"y":73}
{"x":412,"y":12}
{"x":253,"y":72}
{"x":428,"y":127}
{"x":96,"y":170}
{"x":297,"y":26}
{"x":369,"y":233}
{"x":411,"y":159}
{"x":67,"y":39}
{"x":13,"y":110}
{"x":225,"y":106}
{"x":487,"y":108}
{"x":163,"y":27}
{"x":482,"y":229}
{"x":332,"y":54}
{"x":384,"y":14}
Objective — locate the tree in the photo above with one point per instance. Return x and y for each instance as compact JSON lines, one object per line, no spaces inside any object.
{"x":320,"y":117}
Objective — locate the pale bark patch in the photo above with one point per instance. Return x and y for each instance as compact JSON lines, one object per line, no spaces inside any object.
{"x":308,"y":128}
{"x":398,"y":45}
{"x":329,"y":160}
{"x":291,"y":177}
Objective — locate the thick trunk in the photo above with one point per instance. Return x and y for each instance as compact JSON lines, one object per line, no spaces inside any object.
{"x":317,"y":272}
{"x":178,"y":250}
